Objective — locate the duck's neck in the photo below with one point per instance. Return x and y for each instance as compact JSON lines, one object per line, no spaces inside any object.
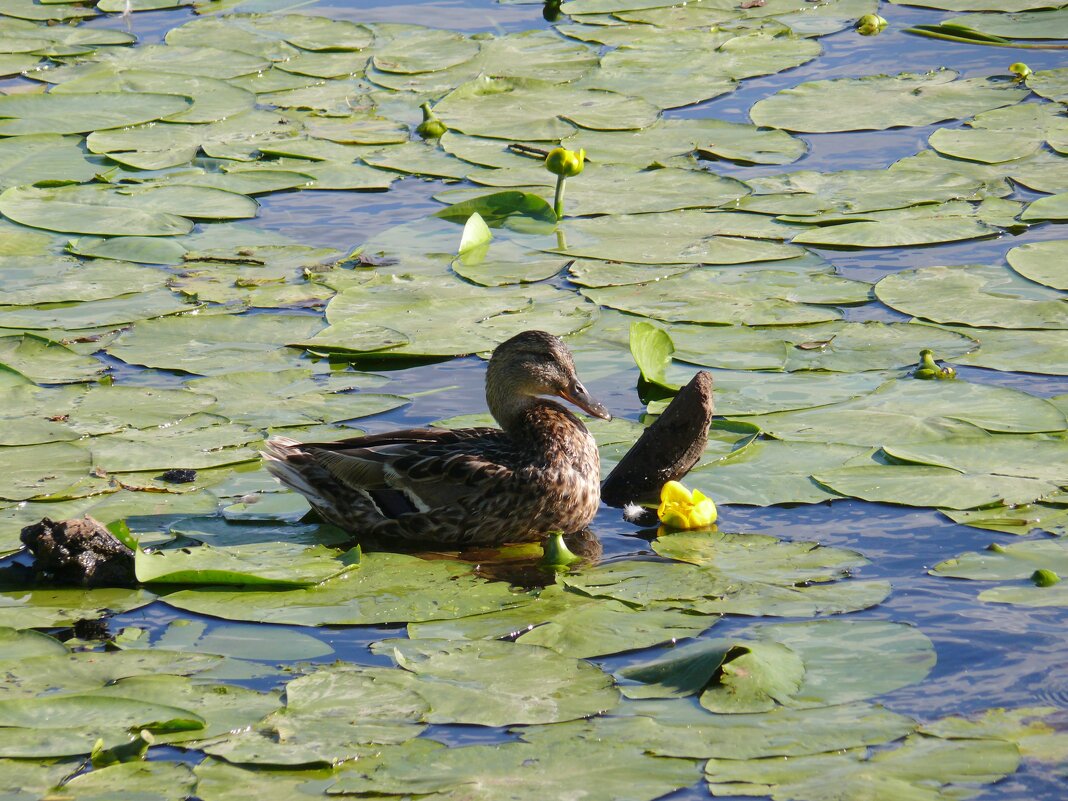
{"x":522,"y":416}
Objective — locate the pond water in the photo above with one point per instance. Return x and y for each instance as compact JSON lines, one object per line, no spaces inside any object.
{"x":987,"y":655}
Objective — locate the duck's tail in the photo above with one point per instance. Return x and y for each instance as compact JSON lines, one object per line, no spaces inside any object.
{"x":289,"y":461}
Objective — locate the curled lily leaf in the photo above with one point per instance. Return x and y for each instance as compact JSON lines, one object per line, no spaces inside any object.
{"x":1045,"y":578}
{"x":870,"y":25}
{"x":431,"y":127}
{"x":929,"y":369}
{"x":555,"y":553}
{"x":563,"y":163}
{"x":681,"y":509}
{"x":1020,"y":71}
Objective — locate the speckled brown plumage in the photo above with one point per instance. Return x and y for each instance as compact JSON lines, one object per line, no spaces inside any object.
{"x":479,"y":486}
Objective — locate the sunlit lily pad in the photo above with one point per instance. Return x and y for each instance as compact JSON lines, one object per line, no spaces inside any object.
{"x":755,"y":294}
{"x":525,"y":109}
{"x":921,"y":767}
{"x":1014,"y":561}
{"x":529,"y":771}
{"x":1020,"y":519}
{"x":95,"y":313}
{"x":1042,"y":262}
{"x":526,"y":683}
{"x":45,"y":361}
{"x":386,"y":588}
{"x":99,"y":209}
{"x":278,"y":564}
{"x":844,"y":104}
{"x":839,"y":346}
{"x":152,"y":781}
{"x":1054,"y":207}
{"x":1042,"y":24}
{"x":909,"y":410}
{"x":980,"y":295}
{"x":215,"y":344}
{"x":79,"y":113}
{"x":676,"y":728}
{"x":572,"y":624}
{"x":1034,"y":730}
{"x":68,"y":725}
{"x":48,"y":608}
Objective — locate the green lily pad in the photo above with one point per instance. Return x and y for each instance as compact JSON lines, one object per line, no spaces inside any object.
{"x":214,"y":345}
{"x":843,"y":104}
{"x":682,"y":237}
{"x":837,"y":346}
{"x":37,"y":470}
{"x":414,"y":49}
{"x":529,"y":772}
{"x":756,"y":578}
{"x":141,"y":249}
{"x":99,"y":209}
{"x":673,"y":140}
{"x":239,"y":641}
{"x":151,"y":781}
{"x":1019,"y":519}
{"x":980,"y":295}
{"x":49,"y":279}
{"x":920,"y":767}
{"x":572,"y":624}
{"x":279,"y":564}
{"x":292,"y":397}
{"x":925,"y":485}
{"x":730,"y":678}
{"x":25,"y":779}
{"x":43,"y":157}
{"x":386,"y":588}
{"x":212,"y":99}
{"x":677,"y":728}
{"x":1043,"y":24}
{"x":45,"y":361}
{"x":41,"y":727}
{"x":1015,"y":561}
{"x":1041,"y":262}
{"x":1033,"y":730}
{"x":685,"y":67}
{"x":920,"y":225}
{"x":649,"y":190}
{"x":1054,"y":207}
{"x":24,"y":644}
{"x":1014,"y":350}
{"x":94,"y":313}
{"x":49,"y":608}
{"x":1001,"y":135}
{"x":767,"y":472}
{"x":753,"y":294}
{"x":79,"y":113}
{"x":495,"y":683}
{"x":1051,"y":84}
{"x":908,"y":410}
{"x":523,"y":108}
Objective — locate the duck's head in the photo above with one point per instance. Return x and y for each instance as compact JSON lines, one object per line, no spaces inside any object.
{"x":532,"y":364}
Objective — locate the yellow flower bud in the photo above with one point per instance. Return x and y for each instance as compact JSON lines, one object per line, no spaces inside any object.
{"x":562,"y":161}
{"x":681,"y":509}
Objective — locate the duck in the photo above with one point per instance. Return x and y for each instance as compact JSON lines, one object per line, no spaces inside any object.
{"x":538,"y":472}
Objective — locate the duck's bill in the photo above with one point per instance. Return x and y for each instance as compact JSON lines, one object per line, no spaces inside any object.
{"x":581,"y":398}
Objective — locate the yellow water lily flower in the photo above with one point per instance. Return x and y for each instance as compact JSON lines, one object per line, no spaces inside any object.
{"x":679,"y":508}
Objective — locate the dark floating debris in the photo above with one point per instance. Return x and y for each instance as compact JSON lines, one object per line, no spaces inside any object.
{"x":179,"y":476}
{"x":666,"y":450}
{"x":80,"y":552}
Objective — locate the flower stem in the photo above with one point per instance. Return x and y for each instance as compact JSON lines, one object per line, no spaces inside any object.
{"x":558,"y":201}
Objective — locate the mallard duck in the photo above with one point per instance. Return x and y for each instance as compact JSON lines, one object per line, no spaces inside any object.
{"x":475,"y":486}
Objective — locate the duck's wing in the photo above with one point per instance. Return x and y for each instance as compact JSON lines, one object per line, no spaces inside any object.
{"x":418,"y":469}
